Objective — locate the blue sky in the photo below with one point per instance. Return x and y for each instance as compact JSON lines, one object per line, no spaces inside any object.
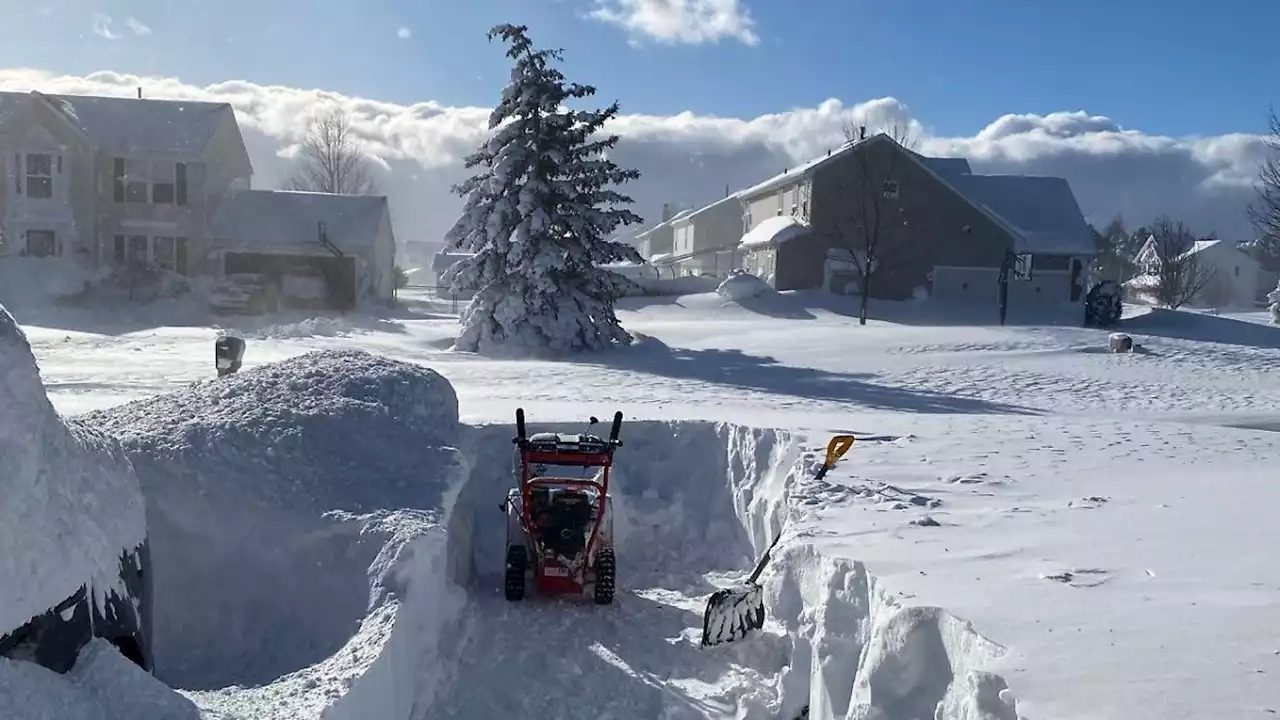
{"x":1167,"y":67}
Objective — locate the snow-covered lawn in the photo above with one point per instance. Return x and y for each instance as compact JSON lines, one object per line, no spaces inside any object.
{"x":1095,"y":528}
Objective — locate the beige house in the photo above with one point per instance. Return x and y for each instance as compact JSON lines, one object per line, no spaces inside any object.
{"x":705,"y":241}
{"x":110,"y":181}
{"x":942,"y":231}
{"x":115,"y":180}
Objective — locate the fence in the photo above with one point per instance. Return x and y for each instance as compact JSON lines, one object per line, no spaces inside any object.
{"x":436,"y":298}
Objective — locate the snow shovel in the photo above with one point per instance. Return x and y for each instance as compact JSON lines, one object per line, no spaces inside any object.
{"x":733,"y":612}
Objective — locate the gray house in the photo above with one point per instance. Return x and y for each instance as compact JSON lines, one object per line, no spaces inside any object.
{"x":941,"y":230}
{"x":115,"y":180}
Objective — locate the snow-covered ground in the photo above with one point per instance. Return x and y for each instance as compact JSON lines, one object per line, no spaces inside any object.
{"x":1028,"y":520}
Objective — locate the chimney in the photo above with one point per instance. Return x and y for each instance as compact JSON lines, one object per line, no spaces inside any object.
{"x":726,"y":189}
{"x":139,"y":93}
{"x":667,"y":211}
{"x":862,"y":132}
{"x":828,"y":152}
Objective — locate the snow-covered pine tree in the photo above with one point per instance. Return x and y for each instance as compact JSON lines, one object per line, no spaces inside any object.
{"x":537,"y":218}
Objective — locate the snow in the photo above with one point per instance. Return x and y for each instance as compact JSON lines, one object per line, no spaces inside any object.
{"x":774,"y":230}
{"x":71,"y":502}
{"x":743,"y":286}
{"x":1027,"y":520}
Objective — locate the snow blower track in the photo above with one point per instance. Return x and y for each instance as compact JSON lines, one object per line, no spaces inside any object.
{"x":680,"y":491}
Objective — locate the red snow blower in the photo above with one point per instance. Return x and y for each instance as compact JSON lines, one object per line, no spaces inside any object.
{"x":560,"y":528}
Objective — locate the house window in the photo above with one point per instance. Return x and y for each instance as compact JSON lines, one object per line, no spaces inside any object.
{"x":746,"y":223}
{"x":1237,"y":271}
{"x":137,"y":254}
{"x":164,"y":180}
{"x":891,"y":189}
{"x":39,"y":175}
{"x":180,"y":255}
{"x":119,"y":250}
{"x":162,"y":252}
{"x":41,"y":243}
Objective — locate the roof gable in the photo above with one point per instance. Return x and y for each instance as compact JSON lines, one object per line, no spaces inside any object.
{"x":1041,"y":211}
{"x":290,"y":219}
{"x":128,"y":125}
{"x":790,"y":175}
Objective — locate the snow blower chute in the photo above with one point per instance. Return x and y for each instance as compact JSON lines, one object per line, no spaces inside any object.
{"x":560,"y":528}
{"x":734,"y":612}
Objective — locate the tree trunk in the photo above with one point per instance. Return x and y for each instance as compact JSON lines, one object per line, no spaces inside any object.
{"x":866,"y":292}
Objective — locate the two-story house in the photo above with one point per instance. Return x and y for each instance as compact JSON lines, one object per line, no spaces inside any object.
{"x":115,"y":180}
{"x":939,"y":229}
{"x":705,"y":241}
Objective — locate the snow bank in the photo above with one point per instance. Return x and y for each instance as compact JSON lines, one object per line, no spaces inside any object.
{"x":288,"y":505}
{"x":743,"y":286}
{"x":857,"y":652}
{"x":29,"y":282}
{"x":103,"y":685}
{"x":671,"y":286}
{"x":70,"y":500}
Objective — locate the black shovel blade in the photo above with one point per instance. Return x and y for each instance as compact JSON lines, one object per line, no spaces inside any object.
{"x":731,"y":614}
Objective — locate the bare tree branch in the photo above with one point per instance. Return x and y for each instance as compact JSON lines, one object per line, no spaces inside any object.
{"x":869,"y":219}
{"x":1179,"y":276}
{"x":1264,"y":214}
{"x":331,"y":159}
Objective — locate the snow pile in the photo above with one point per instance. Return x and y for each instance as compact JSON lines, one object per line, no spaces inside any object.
{"x":296,"y":512}
{"x":29,"y":282}
{"x":742,"y":286}
{"x":857,"y":652}
{"x":103,"y":685}
{"x":1273,"y":304}
{"x":71,"y":503}
{"x":306,"y":328}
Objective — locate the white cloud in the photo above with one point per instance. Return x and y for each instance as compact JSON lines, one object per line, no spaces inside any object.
{"x":404,"y":33}
{"x":136,"y":26}
{"x":691,"y":158}
{"x":101,"y":25}
{"x":691,"y":22}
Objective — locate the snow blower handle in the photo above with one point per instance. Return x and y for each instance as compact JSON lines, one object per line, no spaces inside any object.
{"x":520,"y":437}
{"x":616,"y":429}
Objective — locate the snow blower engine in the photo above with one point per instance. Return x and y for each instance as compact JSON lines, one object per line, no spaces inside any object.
{"x":560,"y":528}
{"x":228,"y":354}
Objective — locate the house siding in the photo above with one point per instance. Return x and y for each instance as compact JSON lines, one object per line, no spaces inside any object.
{"x":36,"y":127}
{"x":937,"y":226}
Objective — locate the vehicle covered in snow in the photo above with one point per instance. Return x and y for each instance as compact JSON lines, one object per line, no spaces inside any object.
{"x":74,"y":556}
{"x":117,"y":611}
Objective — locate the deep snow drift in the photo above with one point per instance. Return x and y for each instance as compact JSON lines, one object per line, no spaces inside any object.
{"x":69,"y":501}
{"x":278,"y":500}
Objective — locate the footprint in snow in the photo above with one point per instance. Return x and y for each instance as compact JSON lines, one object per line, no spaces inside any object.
{"x":1089,"y":503}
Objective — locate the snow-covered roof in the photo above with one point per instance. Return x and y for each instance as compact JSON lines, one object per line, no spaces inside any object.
{"x":444,"y":260}
{"x":693,"y":214}
{"x":946,"y":166}
{"x":790,"y":174}
{"x":1041,"y":212}
{"x":774,"y":230}
{"x":124,"y":125}
{"x":279,"y":218}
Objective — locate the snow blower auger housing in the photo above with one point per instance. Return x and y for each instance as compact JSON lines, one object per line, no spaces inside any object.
{"x":560,"y":528}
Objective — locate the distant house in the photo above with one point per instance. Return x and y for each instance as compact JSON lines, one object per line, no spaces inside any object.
{"x":656,"y":243}
{"x":1232,"y":278}
{"x":442,"y":262}
{"x":962,"y":232}
{"x":704,"y":241}
{"x":346,"y":240}
{"x":115,"y":181}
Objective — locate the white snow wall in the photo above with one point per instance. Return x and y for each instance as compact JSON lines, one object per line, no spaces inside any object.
{"x":685,"y":494}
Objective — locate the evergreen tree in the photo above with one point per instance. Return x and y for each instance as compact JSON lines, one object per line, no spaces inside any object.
{"x":538,"y":218}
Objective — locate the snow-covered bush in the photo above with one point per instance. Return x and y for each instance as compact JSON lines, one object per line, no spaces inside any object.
{"x":1103,"y":305}
{"x":70,"y":504}
{"x":742,"y":285}
{"x":1273,"y":304}
{"x":536,"y":219}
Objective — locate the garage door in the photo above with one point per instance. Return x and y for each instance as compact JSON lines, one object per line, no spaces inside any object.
{"x":970,"y":286}
{"x":339,"y":273}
